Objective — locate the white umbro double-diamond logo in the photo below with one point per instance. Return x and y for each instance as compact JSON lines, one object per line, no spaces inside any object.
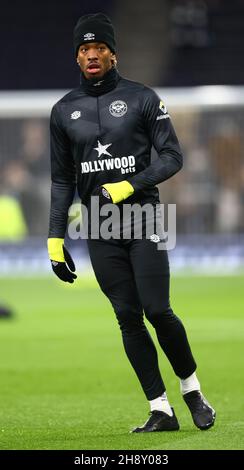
{"x":89,"y":37}
{"x":155,"y":238}
{"x":75,"y":115}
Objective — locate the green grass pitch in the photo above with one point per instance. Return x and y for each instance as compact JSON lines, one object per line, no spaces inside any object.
{"x":65,"y":382}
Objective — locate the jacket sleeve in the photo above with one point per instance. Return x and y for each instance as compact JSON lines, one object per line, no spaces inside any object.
{"x":63,"y":176}
{"x":162,"y":136}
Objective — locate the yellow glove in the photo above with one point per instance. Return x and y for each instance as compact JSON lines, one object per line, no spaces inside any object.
{"x":119,"y":191}
{"x":55,"y":249}
{"x":62,"y":263}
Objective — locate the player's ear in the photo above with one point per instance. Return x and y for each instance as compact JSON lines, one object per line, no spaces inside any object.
{"x":113,"y":59}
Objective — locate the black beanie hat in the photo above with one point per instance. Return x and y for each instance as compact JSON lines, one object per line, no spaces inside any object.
{"x":94,"y":28}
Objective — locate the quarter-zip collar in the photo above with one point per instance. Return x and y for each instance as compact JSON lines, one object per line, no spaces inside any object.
{"x":100,"y":86}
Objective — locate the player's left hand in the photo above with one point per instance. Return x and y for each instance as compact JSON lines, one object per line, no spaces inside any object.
{"x":114,"y":192}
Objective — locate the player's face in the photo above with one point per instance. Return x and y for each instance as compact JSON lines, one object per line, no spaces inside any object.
{"x":95,"y":59}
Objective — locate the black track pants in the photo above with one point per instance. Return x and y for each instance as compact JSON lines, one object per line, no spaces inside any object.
{"x":134,"y":275}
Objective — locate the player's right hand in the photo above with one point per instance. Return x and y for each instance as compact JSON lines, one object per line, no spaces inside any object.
{"x":62,"y":263}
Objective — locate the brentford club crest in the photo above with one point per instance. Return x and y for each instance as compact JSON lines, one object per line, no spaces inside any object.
{"x":118,"y":108}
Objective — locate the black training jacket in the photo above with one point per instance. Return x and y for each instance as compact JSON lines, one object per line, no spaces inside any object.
{"x":108,"y":138}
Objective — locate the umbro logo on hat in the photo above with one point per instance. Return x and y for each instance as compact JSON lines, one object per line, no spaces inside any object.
{"x":89,"y":37}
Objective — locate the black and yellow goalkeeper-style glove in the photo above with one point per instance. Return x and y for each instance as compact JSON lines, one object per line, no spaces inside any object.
{"x":61,"y":261}
{"x":114,"y":192}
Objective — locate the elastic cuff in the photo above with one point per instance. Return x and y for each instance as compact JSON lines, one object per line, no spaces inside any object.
{"x":55,"y":249}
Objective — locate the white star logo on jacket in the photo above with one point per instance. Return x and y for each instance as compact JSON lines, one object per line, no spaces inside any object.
{"x":102,"y":149}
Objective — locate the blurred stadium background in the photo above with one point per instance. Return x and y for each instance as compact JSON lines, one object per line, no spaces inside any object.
{"x":190,"y":52}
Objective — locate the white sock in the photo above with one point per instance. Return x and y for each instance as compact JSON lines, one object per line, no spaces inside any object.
{"x":161,"y":404}
{"x":189,"y":384}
